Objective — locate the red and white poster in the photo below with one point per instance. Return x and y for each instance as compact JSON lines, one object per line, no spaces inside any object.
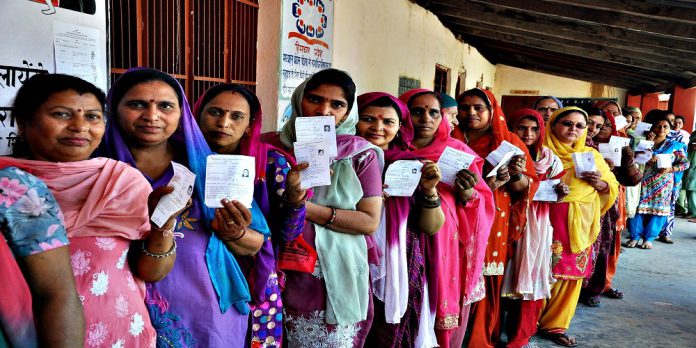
{"x":306,"y":45}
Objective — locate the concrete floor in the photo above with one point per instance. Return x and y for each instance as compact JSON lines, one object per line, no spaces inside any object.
{"x":659,"y":307}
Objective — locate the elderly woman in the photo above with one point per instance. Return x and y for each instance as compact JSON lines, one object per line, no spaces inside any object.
{"x":482,"y":127}
{"x":408,"y":222}
{"x":333,"y":303}
{"x":575,"y":221}
{"x":151,"y":126}
{"x":105,"y":205}
{"x":230,"y":120}
{"x":528,"y":274}
{"x":468,"y":208}
{"x":657,"y":191}
{"x":546,"y":106}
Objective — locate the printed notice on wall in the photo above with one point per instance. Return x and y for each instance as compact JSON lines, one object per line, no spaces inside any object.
{"x":77,"y":51}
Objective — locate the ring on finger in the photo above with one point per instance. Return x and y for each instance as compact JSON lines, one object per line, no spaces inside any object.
{"x":230,"y":223}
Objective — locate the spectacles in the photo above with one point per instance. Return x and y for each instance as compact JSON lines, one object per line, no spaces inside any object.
{"x":570,"y":124}
{"x":543,"y":110}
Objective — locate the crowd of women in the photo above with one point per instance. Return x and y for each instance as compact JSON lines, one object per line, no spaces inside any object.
{"x":341,"y":265}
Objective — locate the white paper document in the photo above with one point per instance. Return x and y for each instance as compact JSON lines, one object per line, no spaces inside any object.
{"x":451,"y":162}
{"x":619,"y":141}
{"x":546,"y":191}
{"x":315,"y":128}
{"x":230,"y":177}
{"x":664,"y":160}
{"x":644,"y":151}
{"x":584,"y":162}
{"x":319,"y":171}
{"x":77,"y":51}
{"x":502,"y":162}
{"x":611,"y":152}
{"x":402,"y":178}
{"x":505,"y":147}
{"x":642,"y":128}
{"x":621,"y":122}
{"x":183,"y":182}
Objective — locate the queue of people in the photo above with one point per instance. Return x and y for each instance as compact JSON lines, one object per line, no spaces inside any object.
{"x":458,"y":262}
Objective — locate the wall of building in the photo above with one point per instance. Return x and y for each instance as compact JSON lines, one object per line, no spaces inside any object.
{"x":509,"y":78}
{"x":376,"y":42}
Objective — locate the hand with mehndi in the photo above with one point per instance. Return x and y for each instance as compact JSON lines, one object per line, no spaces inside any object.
{"x":231,"y":221}
{"x":464,"y":184}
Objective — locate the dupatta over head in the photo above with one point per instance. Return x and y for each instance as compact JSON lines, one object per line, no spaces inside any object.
{"x":226,"y":276}
{"x":343,"y":257}
{"x":586,"y":205}
{"x":469,"y":223}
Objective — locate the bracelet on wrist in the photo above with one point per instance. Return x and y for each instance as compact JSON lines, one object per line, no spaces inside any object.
{"x":286,"y":203}
{"x":169,"y":232}
{"x":171,"y":251}
{"x":515,"y":178}
{"x":333,"y":218}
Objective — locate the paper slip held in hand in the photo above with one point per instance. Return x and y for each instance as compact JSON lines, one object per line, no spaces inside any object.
{"x":502,"y":162}
{"x":183,"y":183}
{"x":664,"y":160}
{"x":621,"y":122}
{"x":644,"y":151}
{"x":402,"y":178}
{"x":230,"y":177}
{"x":619,"y":141}
{"x":546,"y":191}
{"x":319,"y":171}
{"x":314,"y":128}
{"x":505,"y":147}
{"x":642,"y":128}
{"x":611,"y":152}
{"x":584,"y":162}
{"x":451,"y":162}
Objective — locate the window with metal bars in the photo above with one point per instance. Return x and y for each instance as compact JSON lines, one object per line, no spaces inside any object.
{"x":441,"y":78}
{"x":214,"y":43}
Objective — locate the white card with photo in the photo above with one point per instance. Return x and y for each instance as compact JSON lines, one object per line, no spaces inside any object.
{"x":451,"y":162}
{"x":319,"y":171}
{"x":313,"y":128}
{"x":547,"y":191}
{"x":402,"y":178}
{"x":505,"y":147}
{"x":584,"y":162}
{"x":229,"y":177}
{"x":621,"y":122}
{"x":183,"y":182}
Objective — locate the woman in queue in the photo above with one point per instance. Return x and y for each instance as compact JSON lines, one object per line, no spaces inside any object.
{"x":404,"y":236}
{"x":656,"y":196}
{"x":105,"y":203}
{"x":575,"y":221}
{"x":482,"y":127}
{"x":333,"y":302}
{"x":468,"y":208}
{"x":230,"y":119}
{"x":528,"y":276}
{"x":203,"y":302}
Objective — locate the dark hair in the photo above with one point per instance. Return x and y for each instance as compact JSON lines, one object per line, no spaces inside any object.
{"x":656,"y":115}
{"x":592,"y":111}
{"x":384,"y":102}
{"x":476,"y":92}
{"x":334,"y":77}
{"x":213,"y":92}
{"x":37,"y":89}
{"x":134,"y":77}
{"x":566,"y":113}
{"x":680,"y":117}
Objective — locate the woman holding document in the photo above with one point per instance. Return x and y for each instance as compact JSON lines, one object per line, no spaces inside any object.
{"x":398,"y":283}
{"x":330,"y":301}
{"x":454,"y":269}
{"x":203,"y":302}
{"x":105,"y":204}
{"x":669,"y":157}
{"x":482,"y":126}
{"x":575,"y":221}
{"x":528,"y":277}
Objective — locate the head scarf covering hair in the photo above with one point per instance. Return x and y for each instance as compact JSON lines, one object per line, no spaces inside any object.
{"x":534,"y":115}
{"x":558,"y":101}
{"x":586,"y":205}
{"x":601,"y":104}
{"x":225,"y":274}
{"x":470,"y":224}
{"x":405,"y":135}
{"x":610,"y":118}
{"x":347,"y":293}
{"x":634,"y":109}
{"x":447,"y":101}
{"x":263,"y":263}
